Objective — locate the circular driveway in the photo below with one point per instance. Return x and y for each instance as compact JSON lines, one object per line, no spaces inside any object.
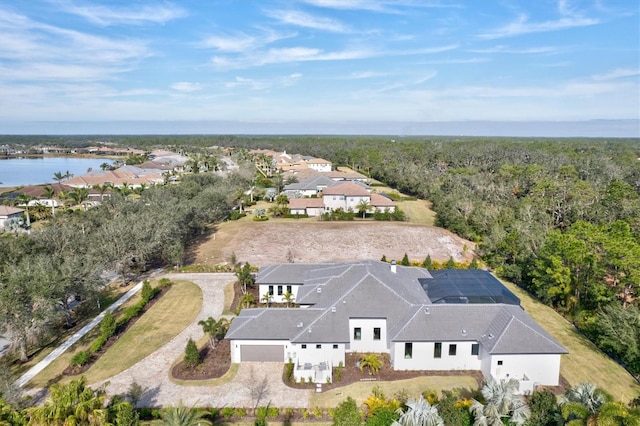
{"x":153,"y":371}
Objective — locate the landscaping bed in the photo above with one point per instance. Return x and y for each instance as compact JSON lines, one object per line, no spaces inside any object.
{"x":215,"y":363}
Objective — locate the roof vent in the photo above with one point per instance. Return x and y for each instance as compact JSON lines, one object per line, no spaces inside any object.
{"x":300,"y":325}
{"x":427,"y":311}
{"x":309,"y":330}
{"x":333,"y":309}
{"x":490,"y":336}
{"x":319,"y":289}
{"x":464,"y":332}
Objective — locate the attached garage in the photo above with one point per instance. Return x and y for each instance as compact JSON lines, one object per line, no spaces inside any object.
{"x":262,"y":353}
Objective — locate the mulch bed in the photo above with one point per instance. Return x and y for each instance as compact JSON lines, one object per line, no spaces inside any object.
{"x":352,"y":374}
{"x":215,"y":363}
{"x":73,"y":370}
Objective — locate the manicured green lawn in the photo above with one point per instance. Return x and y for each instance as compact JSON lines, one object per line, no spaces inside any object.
{"x":414,"y":387}
{"x":585,"y":362}
{"x":167,"y":318}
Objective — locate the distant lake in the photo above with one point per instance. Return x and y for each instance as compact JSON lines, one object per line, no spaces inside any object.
{"x":34,"y":171}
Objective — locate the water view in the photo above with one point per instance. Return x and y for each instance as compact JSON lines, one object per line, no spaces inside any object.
{"x":33,"y":171}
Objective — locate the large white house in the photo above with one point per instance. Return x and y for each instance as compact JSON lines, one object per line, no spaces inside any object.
{"x":444,"y":320}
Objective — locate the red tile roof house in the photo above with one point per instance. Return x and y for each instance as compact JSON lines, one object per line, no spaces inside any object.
{"x":438,"y":320}
{"x":8,"y":212}
{"x":308,"y":206}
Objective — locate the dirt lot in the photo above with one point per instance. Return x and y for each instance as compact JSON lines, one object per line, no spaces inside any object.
{"x":273,"y":241}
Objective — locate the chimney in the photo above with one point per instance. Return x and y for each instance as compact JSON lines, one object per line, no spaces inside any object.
{"x":393,"y":266}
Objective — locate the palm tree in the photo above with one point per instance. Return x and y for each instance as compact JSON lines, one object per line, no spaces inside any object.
{"x":266,"y":298}
{"x":363,"y":206}
{"x":78,"y":195}
{"x":72,"y":404}
{"x":215,"y":329}
{"x":372,"y":362}
{"x":245,"y":277}
{"x":49,"y":193}
{"x":288,"y":298}
{"x":419,"y":413}
{"x":58,"y":177}
{"x":582,"y":403}
{"x":68,"y":175}
{"x":182,"y":416}
{"x":23,"y":200}
{"x":502,"y":401}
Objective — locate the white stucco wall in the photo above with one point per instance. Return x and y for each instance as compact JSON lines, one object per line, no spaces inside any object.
{"x":332,"y":202}
{"x":236,"y":344}
{"x":540,"y":368}
{"x":423,"y":357}
{"x":351,"y":202}
{"x":367,"y":343}
{"x":264,"y":288}
{"x":320,"y":167}
{"x":314,"y":355}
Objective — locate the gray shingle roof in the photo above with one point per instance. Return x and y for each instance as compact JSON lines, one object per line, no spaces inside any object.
{"x":369,"y":289}
{"x":312,"y":183}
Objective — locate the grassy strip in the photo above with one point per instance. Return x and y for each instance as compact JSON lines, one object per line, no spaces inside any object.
{"x":166,"y":319}
{"x":414,"y":387}
{"x":229,"y":294}
{"x":585,"y":362}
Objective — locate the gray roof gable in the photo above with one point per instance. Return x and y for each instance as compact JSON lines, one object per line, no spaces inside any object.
{"x":271,"y":323}
{"x":311,"y":184}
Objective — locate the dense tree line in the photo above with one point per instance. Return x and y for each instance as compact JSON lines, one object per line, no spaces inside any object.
{"x":45,"y":273}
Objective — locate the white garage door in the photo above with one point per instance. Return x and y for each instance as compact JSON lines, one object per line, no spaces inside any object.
{"x":262,"y":353}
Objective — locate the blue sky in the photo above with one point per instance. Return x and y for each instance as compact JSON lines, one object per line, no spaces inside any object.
{"x":281,"y":62}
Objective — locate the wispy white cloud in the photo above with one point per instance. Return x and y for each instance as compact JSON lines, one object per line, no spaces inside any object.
{"x":516,"y":50}
{"x":186,"y":86}
{"x":243,"y":42}
{"x":133,"y":15}
{"x":305,"y":54}
{"x":383,"y":6}
{"x":365,"y":74}
{"x":617,"y":73}
{"x":569,"y":17}
{"x":246,"y":83}
{"x":32,"y":50}
{"x":291,"y":79}
{"x":522,"y":26}
{"x":306,"y":20}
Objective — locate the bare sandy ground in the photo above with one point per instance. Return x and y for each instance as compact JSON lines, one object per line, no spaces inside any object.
{"x":274,"y":241}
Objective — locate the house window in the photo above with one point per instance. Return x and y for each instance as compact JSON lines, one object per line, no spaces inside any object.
{"x":475,"y":349}
{"x":335,"y":346}
{"x":408,"y":350}
{"x":318,"y":346}
{"x":376,"y":333}
{"x":304,"y":346}
{"x":452,"y":350}
{"x":437,"y":350}
{"x":289,"y":289}
{"x":357,"y":333}
{"x":270,"y":290}
{"x":499,"y":362}
{"x":279,"y":290}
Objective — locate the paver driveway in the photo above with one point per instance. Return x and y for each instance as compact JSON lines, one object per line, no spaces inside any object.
{"x":153,"y":371}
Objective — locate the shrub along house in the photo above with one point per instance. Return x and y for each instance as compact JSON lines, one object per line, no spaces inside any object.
{"x":445,"y":320}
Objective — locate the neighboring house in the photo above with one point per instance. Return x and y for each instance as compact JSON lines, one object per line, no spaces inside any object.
{"x":348,"y":195}
{"x":130,"y":175}
{"x":446,"y":320}
{"x":308,"y":206}
{"x":308,"y":187}
{"x":345,"y":195}
{"x":37,"y":193}
{"x":8,"y":212}
{"x":319,"y":164}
